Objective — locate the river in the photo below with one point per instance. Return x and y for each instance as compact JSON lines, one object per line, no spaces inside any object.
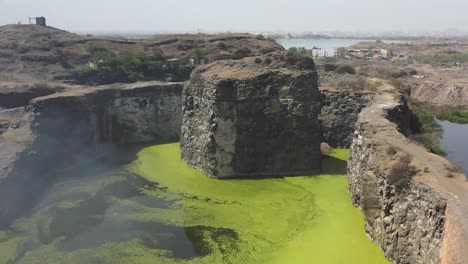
{"x":326,"y":43}
{"x":159,"y":210}
{"x":454,"y":141}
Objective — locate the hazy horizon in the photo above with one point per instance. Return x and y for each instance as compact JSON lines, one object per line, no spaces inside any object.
{"x":146,"y":16}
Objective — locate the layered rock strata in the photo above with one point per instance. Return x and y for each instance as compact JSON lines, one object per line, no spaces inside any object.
{"x":251,"y":118}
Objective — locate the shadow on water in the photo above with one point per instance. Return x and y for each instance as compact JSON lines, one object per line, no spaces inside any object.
{"x":330,"y":166}
{"x":96,"y":219}
{"x":33,"y":173}
{"x":333,"y":166}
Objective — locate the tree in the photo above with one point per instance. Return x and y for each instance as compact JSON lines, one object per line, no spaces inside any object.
{"x":198,"y":55}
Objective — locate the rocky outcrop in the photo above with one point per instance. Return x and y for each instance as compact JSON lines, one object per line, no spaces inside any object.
{"x":340,"y":110}
{"x":441,"y":93}
{"x":14,"y":95}
{"x":404,"y":192}
{"x":248,"y":118}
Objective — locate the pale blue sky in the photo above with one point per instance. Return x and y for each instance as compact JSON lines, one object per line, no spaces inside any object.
{"x":240,"y":15}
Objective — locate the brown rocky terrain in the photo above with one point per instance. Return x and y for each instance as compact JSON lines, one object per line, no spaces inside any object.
{"x":31,"y":54}
{"x":442,"y":86}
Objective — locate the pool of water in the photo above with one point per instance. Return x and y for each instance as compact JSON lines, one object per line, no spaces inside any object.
{"x":159,"y":210}
{"x":454,"y":142}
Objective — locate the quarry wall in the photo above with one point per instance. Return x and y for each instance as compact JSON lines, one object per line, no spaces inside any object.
{"x":403,"y":191}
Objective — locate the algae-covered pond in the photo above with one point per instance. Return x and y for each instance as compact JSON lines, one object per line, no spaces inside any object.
{"x":158,"y":210}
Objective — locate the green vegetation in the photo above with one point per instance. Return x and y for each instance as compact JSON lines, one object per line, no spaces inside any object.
{"x":198,"y":55}
{"x":390,"y":74}
{"x":426,"y":130}
{"x":454,"y":116}
{"x":436,"y":149}
{"x":260,"y":37}
{"x":298,"y":57}
{"x":342,"y":69}
{"x":428,"y":123}
{"x":178,"y":215}
{"x":106,"y":66}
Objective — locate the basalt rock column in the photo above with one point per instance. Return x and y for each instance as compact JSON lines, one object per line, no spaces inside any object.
{"x":252,"y":117}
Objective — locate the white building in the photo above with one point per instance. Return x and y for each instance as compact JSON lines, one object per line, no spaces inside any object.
{"x":318,"y":53}
{"x":330,"y":53}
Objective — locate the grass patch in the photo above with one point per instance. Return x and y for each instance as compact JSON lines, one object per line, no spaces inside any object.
{"x":456,"y":116}
{"x":428,"y":123}
{"x":436,"y":149}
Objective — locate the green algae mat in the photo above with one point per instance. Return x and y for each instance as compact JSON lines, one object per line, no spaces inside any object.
{"x":159,"y":210}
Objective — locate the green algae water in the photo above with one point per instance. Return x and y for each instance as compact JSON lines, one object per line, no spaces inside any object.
{"x":159,"y":210}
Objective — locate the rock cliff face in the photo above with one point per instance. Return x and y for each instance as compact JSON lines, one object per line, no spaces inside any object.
{"x":403,"y":191}
{"x":115,"y":114}
{"x":340,"y":110}
{"x":243,"y":118}
{"x":82,"y":124}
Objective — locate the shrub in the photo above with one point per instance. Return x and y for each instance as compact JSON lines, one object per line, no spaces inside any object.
{"x":342,"y":69}
{"x":455,"y":116}
{"x":401,"y":173}
{"x":268,"y":61}
{"x":221,"y":45}
{"x":260,"y":37}
{"x":450,"y":175}
{"x":427,"y":121}
{"x":436,"y":149}
{"x":396,"y":83}
{"x":198,"y":54}
{"x":391,"y":151}
{"x":258,"y":60}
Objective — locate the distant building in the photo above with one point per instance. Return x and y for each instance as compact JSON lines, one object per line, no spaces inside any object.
{"x":330,"y":53}
{"x":318,"y":53}
{"x":384,"y":53}
{"x":40,"y":21}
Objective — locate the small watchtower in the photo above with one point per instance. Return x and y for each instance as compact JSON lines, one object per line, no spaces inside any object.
{"x":40,"y":21}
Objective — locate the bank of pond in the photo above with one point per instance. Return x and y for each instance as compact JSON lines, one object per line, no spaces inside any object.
{"x":159,"y":210}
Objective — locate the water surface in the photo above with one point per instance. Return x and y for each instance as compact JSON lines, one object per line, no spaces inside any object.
{"x":159,"y":210}
{"x":454,"y":141}
{"x":326,"y":43}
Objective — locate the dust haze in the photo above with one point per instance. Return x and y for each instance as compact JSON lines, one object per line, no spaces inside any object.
{"x":149,"y":16}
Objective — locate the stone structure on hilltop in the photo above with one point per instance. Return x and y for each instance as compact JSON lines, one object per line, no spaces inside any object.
{"x":252,"y":118}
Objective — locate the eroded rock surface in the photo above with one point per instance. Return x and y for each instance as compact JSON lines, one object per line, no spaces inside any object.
{"x":405,"y":193}
{"x":340,"y":110}
{"x":251,"y":118}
